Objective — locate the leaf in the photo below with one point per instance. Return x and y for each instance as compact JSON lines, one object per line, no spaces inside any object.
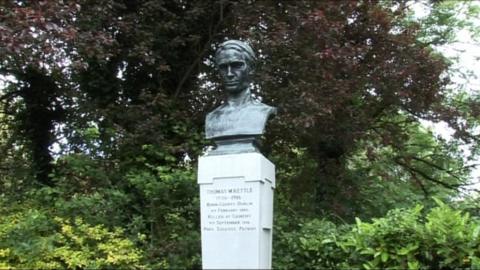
{"x":384,"y":257}
{"x":476,"y":232}
{"x":413,"y":265}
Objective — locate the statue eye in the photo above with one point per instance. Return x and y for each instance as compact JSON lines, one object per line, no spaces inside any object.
{"x":223,"y":66}
{"x":237,"y":64}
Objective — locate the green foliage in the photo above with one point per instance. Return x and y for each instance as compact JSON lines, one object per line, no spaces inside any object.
{"x":445,"y":19}
{"x":119,"y":89}
{"x":171,"y":205}
{"x":442,"y":238}
{"x":407,"y":172}
{"x":312,"y":244}
{"x":156,"y":207}
{"x":34,"y":238}
{"x":159,"y":202}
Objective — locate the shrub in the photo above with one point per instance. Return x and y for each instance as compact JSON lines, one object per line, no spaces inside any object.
{"x":35,"y":239}
{"x":442,"y":238}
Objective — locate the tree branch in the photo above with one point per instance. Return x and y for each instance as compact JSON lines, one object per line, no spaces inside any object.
{"x":200,"y":55}
{"x":412,"y":169}
{"x":429,"y":163}
{"x":422,"y":186}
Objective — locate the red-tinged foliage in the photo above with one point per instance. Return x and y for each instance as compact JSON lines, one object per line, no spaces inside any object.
{"x":36,"y":32}
{"x":128,"y":66}
{"x":336,"y":69}
{"x":141,"y":71}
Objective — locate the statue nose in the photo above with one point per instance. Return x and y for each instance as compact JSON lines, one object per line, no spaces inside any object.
{"x":229,"y":71}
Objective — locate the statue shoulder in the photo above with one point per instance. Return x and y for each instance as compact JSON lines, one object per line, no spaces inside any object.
{"x":269,"y":110}
{"x":218,"y":110}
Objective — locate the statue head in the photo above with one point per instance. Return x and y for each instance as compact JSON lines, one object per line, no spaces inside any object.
{"x":235,"y":61}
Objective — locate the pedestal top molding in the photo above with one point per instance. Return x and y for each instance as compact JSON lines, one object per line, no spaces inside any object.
{"x":247,"y":166}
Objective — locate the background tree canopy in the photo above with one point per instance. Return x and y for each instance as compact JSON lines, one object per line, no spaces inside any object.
{"x":103,"y":107}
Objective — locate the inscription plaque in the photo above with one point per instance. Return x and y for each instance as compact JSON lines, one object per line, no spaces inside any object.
{"x":229,"y":208}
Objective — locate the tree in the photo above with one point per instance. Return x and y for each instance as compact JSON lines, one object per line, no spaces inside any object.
{"x":342,"y":73}
{"x":34,"y":37}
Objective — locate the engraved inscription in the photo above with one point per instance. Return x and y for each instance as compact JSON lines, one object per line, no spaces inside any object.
{"x":229,"y":209}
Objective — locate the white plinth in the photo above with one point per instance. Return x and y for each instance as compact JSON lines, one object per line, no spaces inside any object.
{"x":236,"y":200}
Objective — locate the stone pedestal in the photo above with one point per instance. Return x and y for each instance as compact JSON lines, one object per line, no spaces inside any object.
{"x":236,"y":199}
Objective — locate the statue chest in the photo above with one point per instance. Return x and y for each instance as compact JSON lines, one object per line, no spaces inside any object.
{"x":248,"y":120}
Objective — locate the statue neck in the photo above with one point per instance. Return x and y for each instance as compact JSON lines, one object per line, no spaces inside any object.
{"x":240,"y":98}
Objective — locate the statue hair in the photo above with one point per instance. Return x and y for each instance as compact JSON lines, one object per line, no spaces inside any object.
{"x":239,"y":46}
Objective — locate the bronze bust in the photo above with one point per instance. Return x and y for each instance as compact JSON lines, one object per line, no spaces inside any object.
{"x":240,"y":120}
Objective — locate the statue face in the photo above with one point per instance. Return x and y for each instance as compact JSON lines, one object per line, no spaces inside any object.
{"x":234,"y":70}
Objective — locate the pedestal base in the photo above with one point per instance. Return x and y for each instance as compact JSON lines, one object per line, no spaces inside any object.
{"x":236,"y":199}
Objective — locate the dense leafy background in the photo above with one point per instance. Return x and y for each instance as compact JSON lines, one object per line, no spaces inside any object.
{"x":102,"y":115}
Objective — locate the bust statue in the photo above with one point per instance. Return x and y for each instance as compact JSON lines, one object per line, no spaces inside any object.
{"x":240,"y":120}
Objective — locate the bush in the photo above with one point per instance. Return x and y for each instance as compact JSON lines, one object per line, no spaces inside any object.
{"x":97,"y":217}
{"x":443,"y":238}
{"x":35,"y":239}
